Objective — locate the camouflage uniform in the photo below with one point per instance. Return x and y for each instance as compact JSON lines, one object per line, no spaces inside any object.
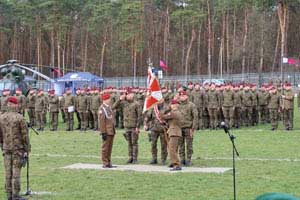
{"x":213,"y":105}
{"x":30,"y":108}
{"x":90,"y":118}
{"x":61,"y":108}
{"x":247,"y":107}
{"x":69,"y":102}
{"x":228,"y":107}
{"x":206,"y":120}
{"x":188,"y":125}
{"x":255,"y":114}
{"x":3,"y":103}
{"x":54,"y":110}
{"x":157,"y":131}
{"x":14,"y":143}
{"x":274,"y":106}
{"x":82,"y":108}
{"x":198,"y":100}
{"x":47,"y":105}
{"x":131,"y":123}
{"x":40,"y":110}
{"x":21,"y":103}
{"x":94,"y":106}
{"x":237,"y":102}
{"x":288,"y":109}
{"x":263,"y":106}
{"x":76,"y":99}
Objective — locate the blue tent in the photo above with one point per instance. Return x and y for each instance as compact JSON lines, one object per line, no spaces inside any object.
{"x":77,"y":80}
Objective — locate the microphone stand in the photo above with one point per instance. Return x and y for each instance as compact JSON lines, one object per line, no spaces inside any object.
{"x":234,"y":152}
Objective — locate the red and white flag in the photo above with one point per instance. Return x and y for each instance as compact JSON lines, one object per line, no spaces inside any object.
{"x":154,"y":94}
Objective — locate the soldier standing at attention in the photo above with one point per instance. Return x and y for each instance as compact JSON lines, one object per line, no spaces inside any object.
{"x":198,"y":100}
{"x":3,"y":100}
{"x":40,"y":109}
{"x":53,"y":109}
{"x":131,"y":123}
{"x":213,"y":105}
{"x":157,"y":131}
{"x":82,"y":108}
{"x":206,"y":120}
{"x":274,"y":106}
{"x":69,"y":108}
{"x":76,"y":98}
{"x":288,"y":107}
{"x":30,"y":106}
{"x":61,"y":107}
{"x":14,"y":142}
{"x":21,"y":101}
{"x":228,"y":106}
{"x":255,"y":114}
{"x":263,"y":104}
{"x":173,"y":119}
{"x":237,"y":102}
{"x":94,"y":106}
{"x":107,"y":129}
{"x":247,"y":105}
{"x":188,"y":125}
{"x":46,"y":97}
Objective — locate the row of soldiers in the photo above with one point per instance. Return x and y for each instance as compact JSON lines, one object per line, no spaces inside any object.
{"x":237,"y":105}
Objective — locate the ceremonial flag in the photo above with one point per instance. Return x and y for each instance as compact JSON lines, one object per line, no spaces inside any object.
{"x":154,"y":94}
{"x":163,"y":65}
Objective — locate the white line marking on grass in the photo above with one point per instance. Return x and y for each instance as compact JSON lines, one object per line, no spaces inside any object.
{"x":200,"y":158}
{"x":148,"y":168}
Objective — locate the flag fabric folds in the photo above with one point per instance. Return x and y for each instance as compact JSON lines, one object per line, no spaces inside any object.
{"x":154,"y":94}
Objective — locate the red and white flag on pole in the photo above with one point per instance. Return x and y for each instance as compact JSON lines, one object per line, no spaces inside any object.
{"x":154,"y":94}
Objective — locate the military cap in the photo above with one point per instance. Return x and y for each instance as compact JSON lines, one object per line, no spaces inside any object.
{"x":174,"y":101}
{"x":105,"y":96}
{"x":13,"y":100}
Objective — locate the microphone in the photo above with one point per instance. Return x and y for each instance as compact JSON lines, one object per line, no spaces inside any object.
{"x":225,"y":127}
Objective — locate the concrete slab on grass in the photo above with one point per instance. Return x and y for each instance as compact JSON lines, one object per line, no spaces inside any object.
{"x":147,"y":168}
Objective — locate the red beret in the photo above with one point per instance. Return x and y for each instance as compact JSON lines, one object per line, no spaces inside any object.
{"x":18,"y":90}
{"x":129,"y":91}
{"x":13,"y":100}
{"x":183,"y":93}
{"x":288,"y":85}
{"x":173,"y":101}
{"x":105,"y":96}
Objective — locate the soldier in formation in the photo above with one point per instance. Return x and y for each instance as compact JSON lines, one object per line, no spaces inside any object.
{"x":107,"y":129}
{"x":14,"y":143}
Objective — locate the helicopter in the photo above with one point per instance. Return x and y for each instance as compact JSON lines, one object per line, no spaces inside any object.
{"x":14,"y":75}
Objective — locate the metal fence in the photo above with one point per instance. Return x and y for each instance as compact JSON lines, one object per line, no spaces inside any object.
{"x":255,"y":78}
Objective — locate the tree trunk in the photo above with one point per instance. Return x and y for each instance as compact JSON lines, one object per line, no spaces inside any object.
{"x":245,"y":42}
{"x":275,"y":59}
{"x":233,"y":41}
{"x":262,"y":42}
{"x":52,"y":49}
{"x":227,"y":45}
{"x":182,"y":45}
{"x":282,"y":15}
{"x":199,"y":50}
{"x":188,"y":52}
{"x":102,"y":56}
{"x":85,"y":50}
{"x":209,"y":40}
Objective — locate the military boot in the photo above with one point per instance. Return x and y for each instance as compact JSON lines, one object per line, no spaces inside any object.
{"x":188,"y":163}
{"x":153,"y":162}
{"x":129,"y":161}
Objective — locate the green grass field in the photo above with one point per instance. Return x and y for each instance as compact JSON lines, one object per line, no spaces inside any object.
{"x":260,"y":168}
